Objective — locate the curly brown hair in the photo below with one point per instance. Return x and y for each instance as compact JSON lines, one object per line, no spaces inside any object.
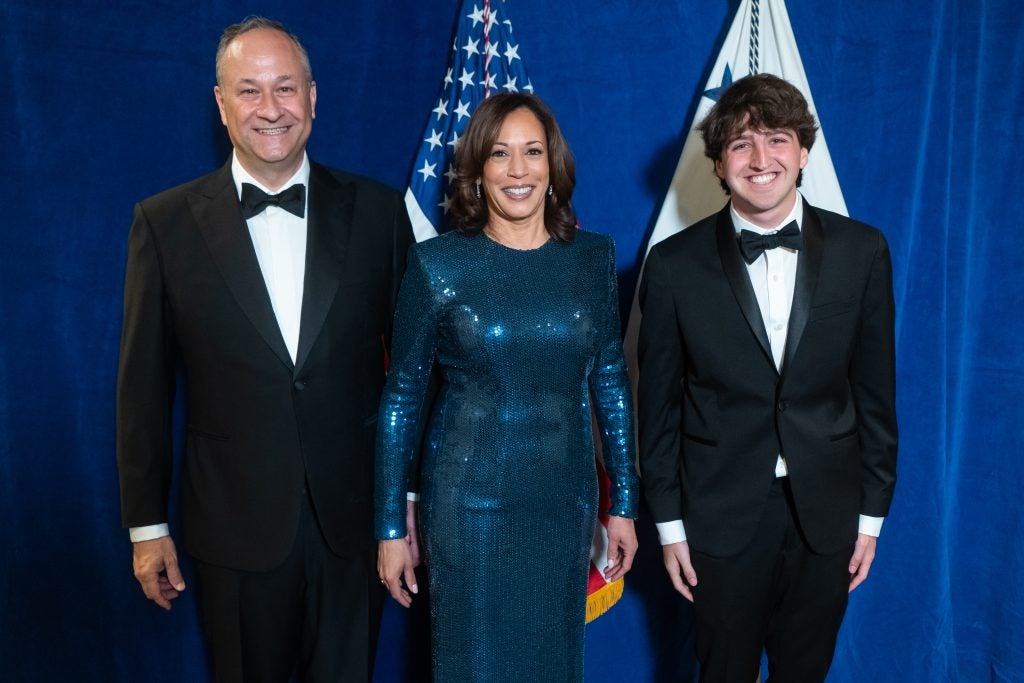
{"x":759,"y":102}
{"x":468,"y":213}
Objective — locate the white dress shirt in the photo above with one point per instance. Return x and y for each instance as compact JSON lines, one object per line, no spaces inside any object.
{"x":773,"y":277}
{"x":280,"y":241}
{"x":279,"y":238}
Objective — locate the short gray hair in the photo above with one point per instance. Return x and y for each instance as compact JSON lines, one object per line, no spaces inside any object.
{"x":251,"y":24}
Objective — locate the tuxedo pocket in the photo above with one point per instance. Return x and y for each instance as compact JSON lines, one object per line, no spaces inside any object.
{"x":701,"y":440}
{"x":831,"y":309}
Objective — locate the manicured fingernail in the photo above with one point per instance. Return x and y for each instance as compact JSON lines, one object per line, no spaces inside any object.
{"x":415,"y":589}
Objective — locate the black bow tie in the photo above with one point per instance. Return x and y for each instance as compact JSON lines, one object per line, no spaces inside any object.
{"x":254,"y":200}
{"x":753,"y":244}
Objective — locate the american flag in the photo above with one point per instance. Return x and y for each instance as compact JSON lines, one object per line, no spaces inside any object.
{"x":484,"y":60}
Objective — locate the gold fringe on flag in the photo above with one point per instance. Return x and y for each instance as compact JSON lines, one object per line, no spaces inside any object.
{"x":601,"y":600}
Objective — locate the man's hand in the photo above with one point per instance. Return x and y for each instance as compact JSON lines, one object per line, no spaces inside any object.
{"x":156,"y":568}
{"x":863,"y":556}
{"x":679,"y":568}
{"x":413,"y":538}
{"x":394,"y":563}
{"x":622,"y":545}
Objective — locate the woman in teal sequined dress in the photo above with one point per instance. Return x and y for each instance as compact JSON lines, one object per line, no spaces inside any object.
{"x":519,"y":311}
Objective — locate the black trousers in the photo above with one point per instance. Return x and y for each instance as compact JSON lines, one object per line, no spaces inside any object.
{"x":317,"y":615}
{"x":777,"y":595}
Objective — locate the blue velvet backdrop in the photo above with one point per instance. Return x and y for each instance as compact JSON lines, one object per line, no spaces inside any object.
{"x":110,"y":102}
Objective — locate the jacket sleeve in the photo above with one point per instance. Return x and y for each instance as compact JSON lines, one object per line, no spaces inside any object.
{"x":145,"y":384}
{"x":661,"y":360}
{"x":873,"y":383}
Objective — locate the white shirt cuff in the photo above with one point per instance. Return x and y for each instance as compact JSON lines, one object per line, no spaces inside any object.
{"x":870,"y":526}
{"x":148,"y":533}
{"x":671,"y":532}
{"x":675,"y":532}
{"x":412,"y":497}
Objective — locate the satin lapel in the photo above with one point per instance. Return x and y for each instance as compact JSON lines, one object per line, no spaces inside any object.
{"x":328,"y":228}
{"x":216,"y":210}
{"x":808,"y":266}
{"x":736,"y":272}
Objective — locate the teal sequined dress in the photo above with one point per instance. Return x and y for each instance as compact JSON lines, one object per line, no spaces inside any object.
{"x":523,"y":340}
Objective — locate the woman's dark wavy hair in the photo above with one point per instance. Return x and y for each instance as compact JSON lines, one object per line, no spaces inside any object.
{"x":760,"y":102}
{"x":468,"y":214}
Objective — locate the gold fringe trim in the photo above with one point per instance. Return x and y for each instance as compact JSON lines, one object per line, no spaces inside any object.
{"x":601,"y":600}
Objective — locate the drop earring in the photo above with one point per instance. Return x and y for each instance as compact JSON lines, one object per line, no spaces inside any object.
{"x":478,"y":190}
{"x":551,"y":190}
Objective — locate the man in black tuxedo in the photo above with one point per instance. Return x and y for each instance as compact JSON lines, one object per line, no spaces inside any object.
{"x":271,"y":283}
{"x":767,"y":398}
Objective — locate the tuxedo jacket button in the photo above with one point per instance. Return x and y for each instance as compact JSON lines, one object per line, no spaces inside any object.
{"x":782,"y":406}
{"x":299,"y":385}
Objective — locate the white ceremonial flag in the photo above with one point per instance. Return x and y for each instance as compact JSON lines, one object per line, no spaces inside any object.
{"x":760,"y":40}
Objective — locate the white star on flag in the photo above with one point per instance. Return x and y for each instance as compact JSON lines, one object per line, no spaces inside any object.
{"x":434,"y":139}
{"x":466,"y":79}
{"x":441,"y":109}
{"x":470,"y":48}
{"x":454,"y":142}
{"x":445,"y":203}
{"x":427,"y":170}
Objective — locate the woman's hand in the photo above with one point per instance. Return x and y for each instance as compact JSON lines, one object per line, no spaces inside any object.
{"x":394,"y":563}
{"x":622,"y":545}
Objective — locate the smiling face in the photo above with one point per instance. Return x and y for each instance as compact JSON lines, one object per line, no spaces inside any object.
{"x":516,"y":176}
{"x":761,"y":168}
{"x":267,"y":103}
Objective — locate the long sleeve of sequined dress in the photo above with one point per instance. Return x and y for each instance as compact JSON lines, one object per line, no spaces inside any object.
{"x":523,"y":340}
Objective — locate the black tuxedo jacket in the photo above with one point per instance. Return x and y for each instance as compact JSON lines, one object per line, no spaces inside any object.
{"x":714,"y":412}
{"x":260,"y":427}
